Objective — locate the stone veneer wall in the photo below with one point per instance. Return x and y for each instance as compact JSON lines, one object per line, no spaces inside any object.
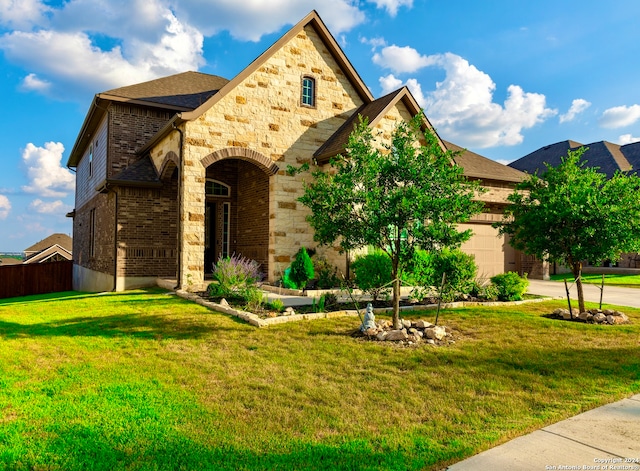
{"x":263,"y":116}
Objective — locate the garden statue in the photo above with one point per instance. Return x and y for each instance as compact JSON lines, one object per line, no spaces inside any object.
{"x":369,"y":319}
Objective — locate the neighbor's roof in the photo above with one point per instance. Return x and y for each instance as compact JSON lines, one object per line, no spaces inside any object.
{"x":48,"y":253}
{"x":608,"y":157}
{"x":63,"y":240}
{"x":477,"y":166}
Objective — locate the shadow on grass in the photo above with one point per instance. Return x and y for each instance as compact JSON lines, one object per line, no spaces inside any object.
{"x":130,"y":325}
{"x":73,"y":296}
{"x":83,"y":448}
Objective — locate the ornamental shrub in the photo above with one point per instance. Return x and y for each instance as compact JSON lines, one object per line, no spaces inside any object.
{"x":510,"y":286}
{"x":234,"y":276}
{"x":372,"y":273}
{"x":302,"y":269}
{"x":460,"y":269}
{"x":326,"y":274}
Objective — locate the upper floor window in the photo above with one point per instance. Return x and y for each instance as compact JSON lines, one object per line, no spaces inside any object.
{"x":308,"y":91}
{"x":216,"y":188}
{"x":91,"y":160}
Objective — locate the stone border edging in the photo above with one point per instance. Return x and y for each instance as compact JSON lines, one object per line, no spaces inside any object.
{"x":257,"y":321}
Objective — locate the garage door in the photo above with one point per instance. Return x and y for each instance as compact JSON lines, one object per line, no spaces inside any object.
{"x":493,"y":255}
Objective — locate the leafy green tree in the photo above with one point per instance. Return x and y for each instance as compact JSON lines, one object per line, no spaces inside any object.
{"x":396,"y":197}
{"x":572,"y":213}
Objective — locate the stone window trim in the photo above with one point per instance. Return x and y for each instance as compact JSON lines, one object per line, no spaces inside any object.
{"x":308,"y":91}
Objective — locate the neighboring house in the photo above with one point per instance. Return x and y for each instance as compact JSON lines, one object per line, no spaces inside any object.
{"x":55,"y":248}
{"x":176,"y":172}
{"x":6,"y":261}
{"x":606,"y":156}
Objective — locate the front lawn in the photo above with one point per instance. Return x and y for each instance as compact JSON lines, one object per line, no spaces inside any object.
{"x":145,"y":380}
{"x":629,"y":281}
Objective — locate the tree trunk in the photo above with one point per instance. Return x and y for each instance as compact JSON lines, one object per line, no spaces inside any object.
{"x":576,"y":268}
{"x":396,"y":299}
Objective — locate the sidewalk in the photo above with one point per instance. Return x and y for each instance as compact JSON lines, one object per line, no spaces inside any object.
{"x":606,"y":438}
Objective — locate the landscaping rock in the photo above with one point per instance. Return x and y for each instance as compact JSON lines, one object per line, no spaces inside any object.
{"x":397,"y":335}
{"x":423,"y":325}
{"x":289,"y":311}
{"x":437,"y":333}
{"x":599,"y":318}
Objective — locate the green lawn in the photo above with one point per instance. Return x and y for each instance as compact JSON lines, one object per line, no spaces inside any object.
{"x":630,"y":281}
{"x":147,"y":381}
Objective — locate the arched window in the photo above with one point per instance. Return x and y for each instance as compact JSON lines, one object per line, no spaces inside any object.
{"x":216,"y":188}
{"x":308,"y":97}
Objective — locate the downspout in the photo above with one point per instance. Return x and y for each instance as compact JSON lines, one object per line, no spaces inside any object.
{"x":115,"y":244}
{"x":180,"y":228}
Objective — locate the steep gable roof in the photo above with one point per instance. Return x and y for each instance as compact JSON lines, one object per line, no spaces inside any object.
{"x":48,"y":253}
{"x":373,"y":112}
{"x":314,"y":20}
{"x":63,"y":240}
{"x":632,"y":153}
{"x":477,"y":166}
{"x":606,"y":156}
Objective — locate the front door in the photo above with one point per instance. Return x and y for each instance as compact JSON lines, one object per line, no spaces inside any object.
{"x":216,"y":233}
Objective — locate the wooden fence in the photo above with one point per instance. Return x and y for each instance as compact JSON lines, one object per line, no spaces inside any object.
{"x":37,"y":278}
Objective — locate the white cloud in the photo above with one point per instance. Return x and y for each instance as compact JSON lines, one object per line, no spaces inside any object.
{"x":402,"y":59}
{"x":620,"y":116}
{"x":52,"y":207}
{"x":577,"y":106}
{"x":5,"y":207}
{"x":375,"y":43}
{"x":462,"y":109}
{"x":392,"y":6}
{"x":627,"y":139}
{"x":22,"y":13}
{"x":254,"y":19}
{"x":46,"y":176}
{"x":75,"y":63}
{"x":32,"y":82}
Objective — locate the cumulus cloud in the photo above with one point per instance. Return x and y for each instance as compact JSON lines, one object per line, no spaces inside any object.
{"x":22,"y":14}
{"x":577,"y":106}
{"x":392,"y":6}
{"x":402,"y":59}
{"x":80,"y":46}
{"x":5,"y":207}
{"x":462,"y":109}
{"x":620,"y":116}
{"x":627,"y":139}
{"x":51,"y":207}
{"x":32,"y":83}
{"x":250,"y":21}
{"x":46,"y":176}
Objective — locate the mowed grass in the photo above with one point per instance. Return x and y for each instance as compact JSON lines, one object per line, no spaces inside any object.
{"x":148,"y":381}
{"x":629,"y":281}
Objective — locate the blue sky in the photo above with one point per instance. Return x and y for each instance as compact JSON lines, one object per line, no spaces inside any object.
{"x":501,"y":77}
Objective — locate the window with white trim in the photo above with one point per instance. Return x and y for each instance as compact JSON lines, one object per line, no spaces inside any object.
{"x":308,"y":96}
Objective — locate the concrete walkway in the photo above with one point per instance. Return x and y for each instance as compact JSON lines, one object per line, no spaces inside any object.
{"x":606,"y":438}
{"x":611,"y":294}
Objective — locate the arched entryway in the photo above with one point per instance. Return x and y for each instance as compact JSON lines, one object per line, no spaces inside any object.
{"x":236,"y":218}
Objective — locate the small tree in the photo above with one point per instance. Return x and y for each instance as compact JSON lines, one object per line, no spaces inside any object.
{"x":396,"y":198}
{"x":572,"y":214}
{"x":302,"y":269}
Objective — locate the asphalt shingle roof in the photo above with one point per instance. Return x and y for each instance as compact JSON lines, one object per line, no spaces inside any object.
{"x":187,"y":90}
{"x":608,"y":157}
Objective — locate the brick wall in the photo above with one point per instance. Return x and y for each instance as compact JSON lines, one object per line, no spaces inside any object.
{"x":147,"y":230}
{"x":253,"y":214}
{"x":103,"y":206}
{"x":130,"y":128}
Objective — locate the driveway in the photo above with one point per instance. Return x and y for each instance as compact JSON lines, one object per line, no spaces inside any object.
{"x":611,"y":294}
